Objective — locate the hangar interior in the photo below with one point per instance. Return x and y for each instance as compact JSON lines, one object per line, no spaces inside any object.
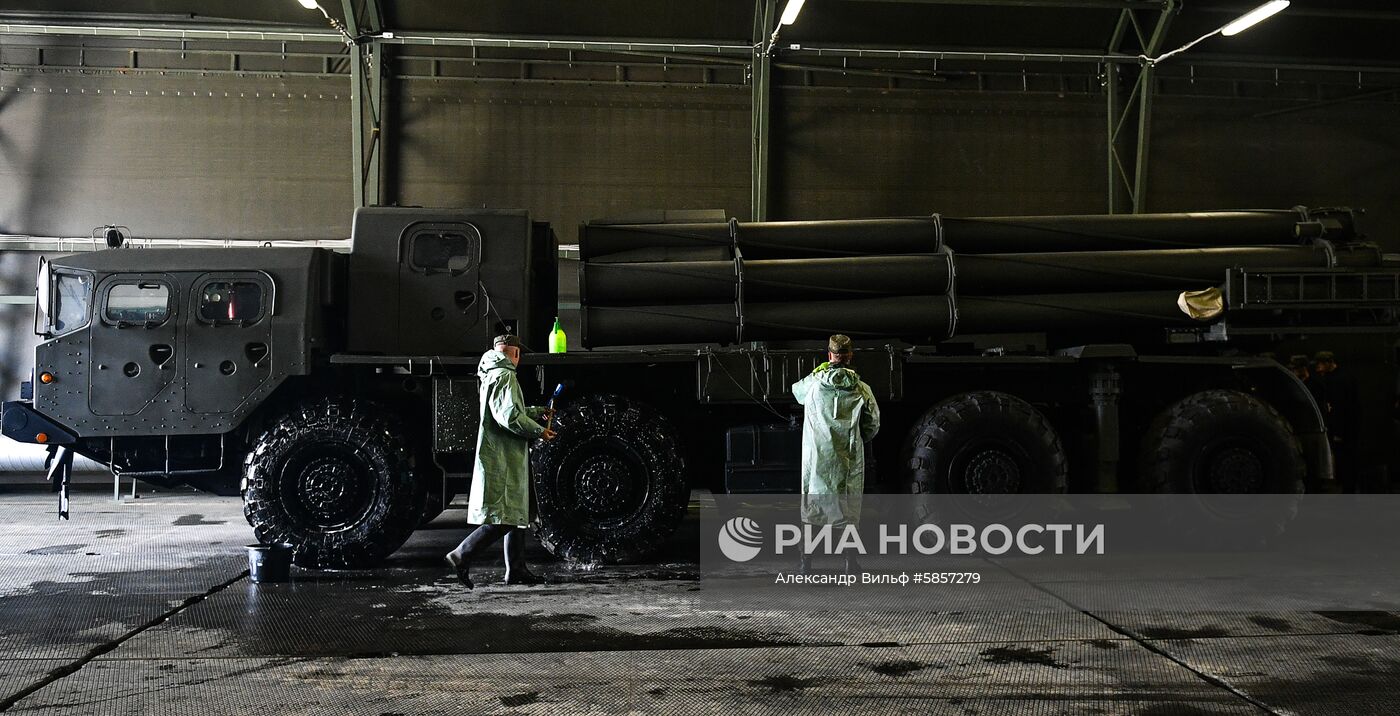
{"x":194,"y":122}
{"x":190,"y":120}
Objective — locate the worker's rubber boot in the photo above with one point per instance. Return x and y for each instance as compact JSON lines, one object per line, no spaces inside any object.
{"x":479,"y":539}
{"x":804,"y":564}
{"x":516,"y":571}
{"x":852,"y":566}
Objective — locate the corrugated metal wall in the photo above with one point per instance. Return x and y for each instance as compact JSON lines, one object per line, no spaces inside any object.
{"x":570,"y":153}
{"x":1344,"y":155}
{"x":863,"y":153}
{"x":269,"y":158}
{"x":186,"y":156}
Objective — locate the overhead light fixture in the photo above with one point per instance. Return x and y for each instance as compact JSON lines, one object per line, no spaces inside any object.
{"x":1235,"y":27}
{"x":794,"y":8}
{"x":1254,"y":17}
{"x":791,"y":10}
{"x":336,"y":24}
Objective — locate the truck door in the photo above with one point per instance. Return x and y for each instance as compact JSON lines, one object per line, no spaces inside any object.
{"x":133,"y":343}
{"x":228,"y":339}
{"x":439,"y":281}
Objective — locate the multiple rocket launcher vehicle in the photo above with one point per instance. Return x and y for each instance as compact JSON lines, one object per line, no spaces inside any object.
{"x":337,"y":392}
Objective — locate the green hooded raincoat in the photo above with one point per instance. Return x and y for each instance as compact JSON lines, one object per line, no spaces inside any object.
{"x":839,"y":416}
{"x":500,"y":492}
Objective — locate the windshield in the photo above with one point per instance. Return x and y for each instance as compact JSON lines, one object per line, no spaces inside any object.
{"x":72,"y":295}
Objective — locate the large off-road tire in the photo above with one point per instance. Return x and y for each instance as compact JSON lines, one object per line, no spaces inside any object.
{"x":334,"y":478}
{"x":1226,"y":443}
{"x":983,"y":450}
{"x":611,"y":487}
{"x":985,"y":443}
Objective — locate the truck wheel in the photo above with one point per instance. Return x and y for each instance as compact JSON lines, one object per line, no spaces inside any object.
{"x":611,"y":487}
{"x":985,"y":443}
{"x":984,"y":451}
{"x":1224,"y":442}
{"x":334,"y":478}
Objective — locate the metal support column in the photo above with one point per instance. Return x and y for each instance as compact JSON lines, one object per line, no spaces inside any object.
{"x":1113,"y":76}
{"x":364,"y":24}
{"x":1146,"y":92}
{"x":760,"y":82}
{"x":1127,"y":185}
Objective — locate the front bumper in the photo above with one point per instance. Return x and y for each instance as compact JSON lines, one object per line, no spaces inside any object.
{"x":19,"y":421}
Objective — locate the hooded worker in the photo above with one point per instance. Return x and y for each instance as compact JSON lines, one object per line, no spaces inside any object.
{"x":839,"y":416}
{"x":500,"y":493}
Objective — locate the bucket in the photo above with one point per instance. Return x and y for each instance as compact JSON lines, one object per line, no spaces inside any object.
{"x":270,"y":562}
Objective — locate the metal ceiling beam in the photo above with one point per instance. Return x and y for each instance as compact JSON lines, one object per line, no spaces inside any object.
{"x":262,"y":33}
{"x":450,"y":39}
{"x":250,"y":33}
{"x":736,"y":50}
{"x":620,"y":45}
{"x":760,"y":108}
{"x":976,"y":55}
{"x":458,"y":39}
{"x":367,"y":100}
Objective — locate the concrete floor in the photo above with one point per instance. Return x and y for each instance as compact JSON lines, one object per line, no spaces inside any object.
{"x":144,"y":607}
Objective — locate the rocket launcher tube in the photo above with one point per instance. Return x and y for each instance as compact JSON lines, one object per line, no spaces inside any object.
{"x":918,"y":319}
{"x":770,"y":239}
{"x":690,"y":282}
{"x":1181,"y":269}
{"x":981,"y":235}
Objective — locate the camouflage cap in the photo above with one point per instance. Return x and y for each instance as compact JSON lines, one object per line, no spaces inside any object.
{"x":1298,"y":361}
{"x":839,"y":344}
{"x":1325,"y":357}
{"x":506,"y":339}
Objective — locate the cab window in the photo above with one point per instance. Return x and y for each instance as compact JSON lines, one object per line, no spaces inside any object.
{"x":442,"y":250}
{"x":144,"y":303}
{"x":71,"y":297}
{"x":231,"y":302}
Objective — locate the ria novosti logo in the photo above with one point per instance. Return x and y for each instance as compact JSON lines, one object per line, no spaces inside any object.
{"x":740,"y":539}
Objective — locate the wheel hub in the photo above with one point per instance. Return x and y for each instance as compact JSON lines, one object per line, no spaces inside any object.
{"x":331,"y":488}
{"x":603,"y":484}
{"x":992,"y":472}
{"x":1236,"y":470}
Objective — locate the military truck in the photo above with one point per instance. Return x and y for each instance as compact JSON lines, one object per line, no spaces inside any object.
{"x":337,"y":391}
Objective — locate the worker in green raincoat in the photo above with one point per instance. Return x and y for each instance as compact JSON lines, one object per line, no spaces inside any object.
{"x":839,"y":416}
{"x":500,"y":493}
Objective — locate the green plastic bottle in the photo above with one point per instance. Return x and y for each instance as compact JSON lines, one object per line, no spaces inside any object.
{"x":558,"y":342}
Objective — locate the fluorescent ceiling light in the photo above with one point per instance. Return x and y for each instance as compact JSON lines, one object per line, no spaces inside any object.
{"x":791,"y":10}
{"x":1245,"y":21}
{"x":308,"y":4}
{"x":1254,"y":17}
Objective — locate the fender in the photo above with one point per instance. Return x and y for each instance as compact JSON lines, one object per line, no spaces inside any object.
{"x":1277,"y":386}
